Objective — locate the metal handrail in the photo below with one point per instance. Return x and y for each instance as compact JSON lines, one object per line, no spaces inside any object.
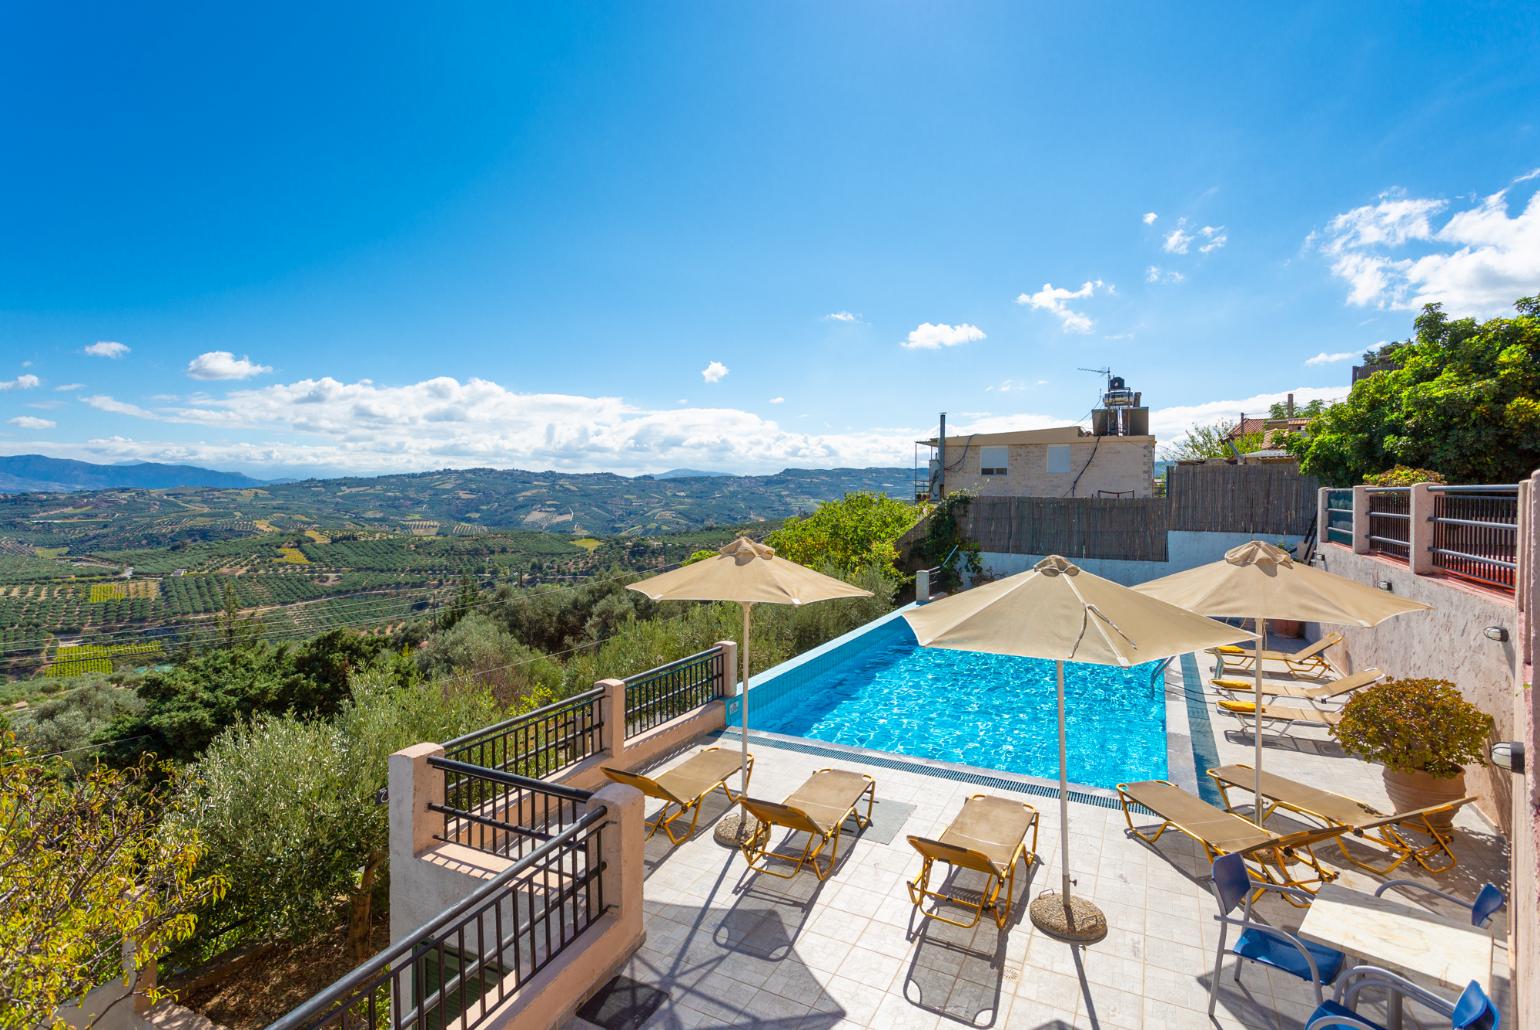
{"x":509,"y":779}
{"x":1388,"y":489}
{"x":533,"y":714}
{"x":1494,"y":488}
{"x":1475,"y":522}
{"x":323,"y":1005}
{"x":671,"y":666}
{"x":1499,"y":562}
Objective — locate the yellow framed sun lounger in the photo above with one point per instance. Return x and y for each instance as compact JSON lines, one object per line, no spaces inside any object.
{"x":1388,"y":831}
{"x":685,"y":786}
{"x":1325,"y":692}
{"x":1309,"y":660}
{"x":1282,"y":718}
{"x":989,"y":836}
{"x":1222,"y":832}
{"x":818,"y":808}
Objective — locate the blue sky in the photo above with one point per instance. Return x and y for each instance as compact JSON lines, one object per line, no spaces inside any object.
{"x":632,"y":237}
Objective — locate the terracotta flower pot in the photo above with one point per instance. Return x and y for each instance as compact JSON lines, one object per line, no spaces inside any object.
{"x":1413,"y":790}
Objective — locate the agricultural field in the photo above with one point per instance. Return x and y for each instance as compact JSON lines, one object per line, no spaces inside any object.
{"x":73,"y":611}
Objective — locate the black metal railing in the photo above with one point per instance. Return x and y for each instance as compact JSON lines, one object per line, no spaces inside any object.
{"x":538,"y":743}
{"x":658,"y":695}
{"x":503,"y":813}
{"x":1476,"y":533}
{"x":1339,"y":517}
{"x":465,"y":962}
{"x":1390,"y":522}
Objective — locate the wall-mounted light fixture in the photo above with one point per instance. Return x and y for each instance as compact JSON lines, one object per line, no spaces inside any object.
{"x":1383,"y":584}
{"x":1508,"y":754}
{"x":1497,"y":633}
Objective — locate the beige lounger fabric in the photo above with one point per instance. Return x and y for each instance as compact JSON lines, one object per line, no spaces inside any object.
{"x":1324,"y":692}
{"x":994,"y":827}
{"x":700,"y":774}
{"x":1224,"y":831}
{"x":828,"y":796}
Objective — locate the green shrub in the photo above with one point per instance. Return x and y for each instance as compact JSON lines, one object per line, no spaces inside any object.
{"x":1403,"y":476}
{"x":1414,"y":725}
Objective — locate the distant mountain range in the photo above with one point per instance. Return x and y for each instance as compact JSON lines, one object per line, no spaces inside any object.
{"x":447,"y":501}
{"x":35,"y":473}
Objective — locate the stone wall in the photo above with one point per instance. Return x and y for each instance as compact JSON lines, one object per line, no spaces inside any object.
{"x":1115,"y":464}
{"x":1448,"y":642}
{"x":1525,"y":838}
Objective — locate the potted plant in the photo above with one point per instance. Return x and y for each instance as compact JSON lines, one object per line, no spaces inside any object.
{"x":1423,"y":733}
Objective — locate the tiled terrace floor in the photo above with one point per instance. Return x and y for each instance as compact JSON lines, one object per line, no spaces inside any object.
{"x":734,"y":949}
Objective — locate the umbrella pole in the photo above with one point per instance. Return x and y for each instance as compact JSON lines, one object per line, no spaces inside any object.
{"x":1063,"y":795}
{"x":1066,"y":918}
{"x":1256,"y":723}
{"x":743,"y":770}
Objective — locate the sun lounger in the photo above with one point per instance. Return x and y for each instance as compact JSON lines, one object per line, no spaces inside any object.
{"x":818,"y":808}
{"x":685,"y":786}
{"x":1281,"y":718}
{"x":1224,"y":833}
{"x":989,"y":836}
{"x":1309,"y":660}
{"x":1325,"y":692}
{"x":1392,"y":832}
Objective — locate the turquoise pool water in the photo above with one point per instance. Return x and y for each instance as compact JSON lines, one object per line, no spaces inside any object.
{"x":890,"y":694}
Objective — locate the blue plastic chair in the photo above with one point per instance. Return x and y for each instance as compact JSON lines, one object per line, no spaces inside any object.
{"x":1472,"y":1010}
{"x":1315,"y":964}
{"x":1488,"y":900}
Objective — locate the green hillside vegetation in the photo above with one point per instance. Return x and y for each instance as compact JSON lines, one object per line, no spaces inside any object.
{"x":278,"y":748}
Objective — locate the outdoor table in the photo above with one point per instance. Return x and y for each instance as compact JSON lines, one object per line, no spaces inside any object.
{"x":1400,"y":937}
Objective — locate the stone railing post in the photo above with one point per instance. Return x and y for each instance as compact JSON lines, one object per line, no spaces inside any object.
{"x":922,"y":585}
{"x":412,"y":786}
{"x":612,"y":713}
{"x":1419,"y":533}
{"x":1360,"y":520}
{"x":729,"y":668}
{"x":621,"y":849}
{"x":1322,"y":517}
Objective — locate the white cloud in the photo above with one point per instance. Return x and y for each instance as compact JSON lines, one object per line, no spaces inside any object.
{"x":841,"y":316}
{"x":777,"y":400}
{"x":1056,"y":301}
{"x":1149,"y":217}
{"x":1324,"y":358}
{"x":1393,"y":253}
{"x":933,"y":335}
{"x":107,"y":349}
{"x":327,"y":425}
{"x":1156,"y":274}
{"x":1006,"y":423}
{"x":1214,"y":237}
{"x":221,"y":364}
{"x":1006,"y":386}
{"x":102,"y":402}
{"x":67,"y":387}
{"x":1177,"y":240}
{"x":30,"y":422}
{"x":1168,"y":424}
{"x":715,"y":372}
{"x":21,"y":382}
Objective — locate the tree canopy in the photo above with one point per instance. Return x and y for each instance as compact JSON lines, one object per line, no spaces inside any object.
{"x":857,"y":531}
{"x":1464,"y":401}
{"x":1211,"y":441}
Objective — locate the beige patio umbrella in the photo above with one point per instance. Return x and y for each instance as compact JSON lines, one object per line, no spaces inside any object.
{"x":1260,"y":581}
{"x":1060,"y":612}
{"x":748,"y":573}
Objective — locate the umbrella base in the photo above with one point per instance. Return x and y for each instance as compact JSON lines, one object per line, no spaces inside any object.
{"x":733,"y":829}
{"x":1076,"y":921}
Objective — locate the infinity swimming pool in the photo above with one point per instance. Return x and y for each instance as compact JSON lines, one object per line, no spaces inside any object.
{"x":879,"y":689}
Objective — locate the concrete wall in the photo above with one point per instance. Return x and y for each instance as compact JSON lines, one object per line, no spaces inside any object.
{"x":1525,"y":838}
{"x":1183,"y":551}
{"x":1448,"y":642}
{"x":428,"y":876}
{"x":1116,"y":464}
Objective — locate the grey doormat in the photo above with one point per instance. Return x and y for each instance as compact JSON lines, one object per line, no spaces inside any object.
{"x":888,"y":818}
{"x":622,"y":1004}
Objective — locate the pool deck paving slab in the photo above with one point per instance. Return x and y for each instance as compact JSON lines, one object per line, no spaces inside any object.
{"x":735,"y":949}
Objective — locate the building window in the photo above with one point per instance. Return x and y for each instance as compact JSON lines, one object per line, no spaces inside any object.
{"x":1058,"y":458}
{"x":992,"y":461}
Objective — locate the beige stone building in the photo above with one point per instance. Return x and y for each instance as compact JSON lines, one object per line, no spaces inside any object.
{"x":1065,"y":461}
